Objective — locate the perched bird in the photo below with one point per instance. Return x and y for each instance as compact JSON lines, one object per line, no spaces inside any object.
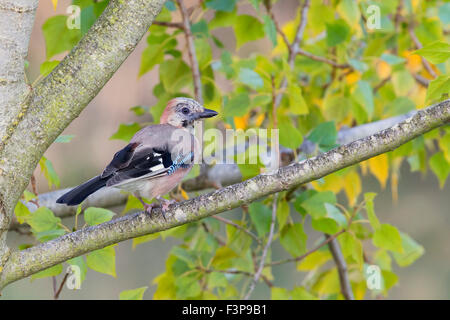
{"x":156,"y":159}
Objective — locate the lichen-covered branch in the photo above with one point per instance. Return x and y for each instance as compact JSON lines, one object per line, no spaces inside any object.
{"x":219,"y":175}
{"x":26,"y":262}
{"x":58,"y":99}
{"x":16,"y":23}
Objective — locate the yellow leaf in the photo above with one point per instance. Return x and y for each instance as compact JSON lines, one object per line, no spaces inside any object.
{"x":383,"y":69}
{"x":241,"y":122}
{"x":259,"y":119}
{"x":413,"y":62}
{"x":379,"y":167}
{"x":55,"y":4}
{"x":352,"y":77}
{"x":352,"y":187}
{"x":364,"y":166}
{"x":332,"y":182}
{"x":184,"y":194}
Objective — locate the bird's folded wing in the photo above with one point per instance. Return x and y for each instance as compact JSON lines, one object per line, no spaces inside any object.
{"x":138,"y":162}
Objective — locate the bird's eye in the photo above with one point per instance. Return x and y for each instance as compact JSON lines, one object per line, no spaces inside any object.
{"x":185,"y":110}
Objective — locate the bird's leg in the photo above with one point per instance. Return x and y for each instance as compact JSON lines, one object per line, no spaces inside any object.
{"x":147,"y":207}
{"x":164,"y":204}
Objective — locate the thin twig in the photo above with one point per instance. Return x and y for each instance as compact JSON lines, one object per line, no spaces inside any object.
{"x":303,"y":256}
{"x":294,"y":48}
{"x":421,"y":80}
{"x":61,"y":286}
{"x":266,"y":248}
{"x":177,"y":25}
{"x":245,"y":273}
{"x":231,"y":223}
{"x":381,"y":84}
{"x":419,"y":45}
{"x":268,"y":6}
{"x":346,"y":288}
{"x":218,"y":239}
{"x":322,"y":59}
{"x":191,"y":51}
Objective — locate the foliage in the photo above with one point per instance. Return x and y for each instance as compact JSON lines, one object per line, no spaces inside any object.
{"x":350,"y":75}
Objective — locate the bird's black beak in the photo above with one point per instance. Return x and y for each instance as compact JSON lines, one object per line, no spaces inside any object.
{"x":207,"y":113}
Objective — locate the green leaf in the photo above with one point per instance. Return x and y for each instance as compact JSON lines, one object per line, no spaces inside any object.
{"x":139,"y":240}
{"x":94,"y":216}
{"x":337,"y":32}
{"x":403,"y":82}
{"x":21,"y":211}
{"x":279,"y":294}
{"x":153,"y":54}
{"x":47,"y":67}
{"x":221,"y":5}
{"x":247,"y":28}
{"x":126,"y":131}
{"x":297,"y":104}
{"x":261,"y":216}
{"x":300,"y":293}
{"x":437,"y":88}
{"x":50,"y":272}
{"x":64,"y":138}
{"x":392,"y":59}
{"x":187,"y":287}
{"x":170,"y":5}
{"x":222,"y":19}
{"x":364,"y":96}
{"x":349,"y":10}
{"x":59,"y":38}
{"x":134,"y":294}
{"x":368,"y":198}
{"x":324,"y":134}
{"x":314,"y":260}
{"x":283,"y":211}
{"x":79,"y":262}
{"x":315,"y":205}
{"x":174,"y":74}
{"x":49,"y":235}
{"x":237,"y":106}
{"x":440,"y":167}
{"x":325,"y":225}
{"x":49,"y":172}
{"x":411,"y":251}
{"x":217,"y":280}
{"x":351,"y":248}
{"x":435,"y":52}
{"x":43,"y":219}
{"x":388,"y":237}
{"x":103,"y":260}
{"x":87,"y":19}
{"x":293,"y":239}
{"x":290,"y":137}
{"x":250,"y":78}
{"x":270,"y":30}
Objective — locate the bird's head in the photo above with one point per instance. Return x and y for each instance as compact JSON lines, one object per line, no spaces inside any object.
{"x":183,"y":112}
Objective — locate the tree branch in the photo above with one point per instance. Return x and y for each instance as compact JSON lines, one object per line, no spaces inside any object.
{"x":29,"y":261}
{"x":40,"y":117}
{"x":218,"y":175}
{"x":16,"y":23}
{"x":346,"y":288}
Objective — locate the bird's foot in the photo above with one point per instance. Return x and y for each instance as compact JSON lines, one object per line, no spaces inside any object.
{"x":165,"y":205}
{"x":149,"y":207}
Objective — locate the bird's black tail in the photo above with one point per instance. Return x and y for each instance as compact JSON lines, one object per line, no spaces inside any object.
{"x":78,"y":194}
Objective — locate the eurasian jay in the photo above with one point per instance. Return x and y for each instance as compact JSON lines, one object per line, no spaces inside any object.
{"x":156,"y":159}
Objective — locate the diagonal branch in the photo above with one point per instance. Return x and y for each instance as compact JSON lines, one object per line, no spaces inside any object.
{"x":24,"y":263}
{"x":341,"y":265}
{"x":41,"y":116}
{"x":223,"y":175}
